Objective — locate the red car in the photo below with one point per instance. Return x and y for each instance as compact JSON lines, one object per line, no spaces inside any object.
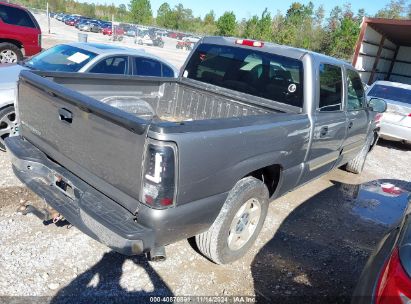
{"x":117,"y":31}
{"x":175,"y":35}
{"x":18,"y":30}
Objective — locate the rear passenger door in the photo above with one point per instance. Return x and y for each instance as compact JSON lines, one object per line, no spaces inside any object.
{"x":329,"y":122}
{"x":357,"y":116}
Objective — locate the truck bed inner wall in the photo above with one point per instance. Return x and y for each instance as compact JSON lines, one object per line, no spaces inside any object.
{"x":171,"y":101}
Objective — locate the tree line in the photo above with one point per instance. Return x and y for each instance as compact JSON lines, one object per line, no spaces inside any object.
{"x":302,"y":25}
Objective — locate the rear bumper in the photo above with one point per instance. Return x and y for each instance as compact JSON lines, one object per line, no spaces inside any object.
{"x":395,"y":132}
{"x":90,"y":211}
{"x":102,"y":218}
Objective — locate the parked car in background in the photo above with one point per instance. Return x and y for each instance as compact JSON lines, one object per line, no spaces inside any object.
{"x":83,"y":25}
{"x":18,"y":30}
{"x":144,"y":40}
{"x":158,"y":41}
{"x":161,"y":33}
{"x":76,"y":57}
{"x":191,"y":39}
{"x":118,"y":31}
{"x":175,"y":35}
{"x":395,"y":123}
{"x":131,"y":32}
{"x":94,"y":27}
{"x":187,"y":45}
{"x":386,"y":278}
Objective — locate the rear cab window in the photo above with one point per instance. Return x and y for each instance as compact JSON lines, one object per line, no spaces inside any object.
{"x":16,"y":16}
{"x":250,"y":71}
{"x":331,"y":88}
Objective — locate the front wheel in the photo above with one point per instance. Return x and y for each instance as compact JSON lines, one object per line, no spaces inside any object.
{"x":8,"y":125}
{"x":238,"y":223}
{"x":356,"y":165}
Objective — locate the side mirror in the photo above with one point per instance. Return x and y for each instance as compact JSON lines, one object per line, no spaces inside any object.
{"x":378,"y":105}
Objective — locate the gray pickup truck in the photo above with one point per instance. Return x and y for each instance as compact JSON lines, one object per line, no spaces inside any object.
{"x":139,"y":163}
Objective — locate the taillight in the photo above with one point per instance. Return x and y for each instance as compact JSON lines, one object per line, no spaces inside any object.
{"x":409,"y":115}
{"x":394,"y":284}
{"x":159,"y":175}
{"x":248,"y":42}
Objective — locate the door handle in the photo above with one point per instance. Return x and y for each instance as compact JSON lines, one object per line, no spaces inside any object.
{"x":65,"y":115}
{"x":350,"y":125}
{"x":323,"y":131}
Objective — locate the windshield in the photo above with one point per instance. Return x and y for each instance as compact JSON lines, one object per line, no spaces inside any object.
{"x":391,"y":93}
{"x":61,"y":58}
{"x":249,"y":71}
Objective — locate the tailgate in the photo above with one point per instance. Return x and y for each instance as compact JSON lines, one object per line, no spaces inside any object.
{"x":100,"y":144}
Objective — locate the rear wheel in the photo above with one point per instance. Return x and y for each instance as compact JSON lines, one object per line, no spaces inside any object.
{"x":238,"y":224}
{"x":8,"y":125}
{"x":10,"y":53}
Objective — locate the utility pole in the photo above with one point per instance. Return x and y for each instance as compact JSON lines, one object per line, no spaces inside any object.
{"x":48,"y":17}
{"x":112,"y":26}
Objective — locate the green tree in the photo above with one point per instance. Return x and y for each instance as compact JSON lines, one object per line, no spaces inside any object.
{"x":209,"y":26}
{"x":259,"y":28}
{"x":265,"y":26}
{"x":140,"y":11}
{"x":226,"y":24}
{"x":394,"y":10}
{"x":163,"y":13}
{"x":251,"y":29}
{"x":343,"y":33}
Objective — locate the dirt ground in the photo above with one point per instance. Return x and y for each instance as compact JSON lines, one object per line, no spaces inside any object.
{"x":314,"y":243}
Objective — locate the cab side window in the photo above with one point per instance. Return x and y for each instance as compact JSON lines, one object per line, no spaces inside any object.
{"x":355,"y":90}
{"x":330,"y":88}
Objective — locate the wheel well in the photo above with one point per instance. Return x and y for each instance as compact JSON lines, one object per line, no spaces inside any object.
{"x":15,"y":42}
{"x":269,"y":175}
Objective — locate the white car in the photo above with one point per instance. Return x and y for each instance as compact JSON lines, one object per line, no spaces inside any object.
{"x":145,"y":40}
{"x":191,"y":39}
{"x":395,"y":123}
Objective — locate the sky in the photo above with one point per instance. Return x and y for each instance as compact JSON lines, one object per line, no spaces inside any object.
{"x":248,"y":8}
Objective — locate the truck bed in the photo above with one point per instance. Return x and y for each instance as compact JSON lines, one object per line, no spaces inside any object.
{"x":97,"y":125}
{"x":160,"y":99}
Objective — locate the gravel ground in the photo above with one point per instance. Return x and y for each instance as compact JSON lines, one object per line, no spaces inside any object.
{"x":50,"y":260}
{"x":308,"y":246}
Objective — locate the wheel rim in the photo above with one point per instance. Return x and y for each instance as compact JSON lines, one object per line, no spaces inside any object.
{"x":8,"y":56}
{"x":8,"y":127}
{"x":244,"y":224}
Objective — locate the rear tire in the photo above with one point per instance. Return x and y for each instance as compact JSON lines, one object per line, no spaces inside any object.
{"x":8,"y":125}
{"x":10,"y":53}
{"x":238,"y":223}
{"x":356,"y":165}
